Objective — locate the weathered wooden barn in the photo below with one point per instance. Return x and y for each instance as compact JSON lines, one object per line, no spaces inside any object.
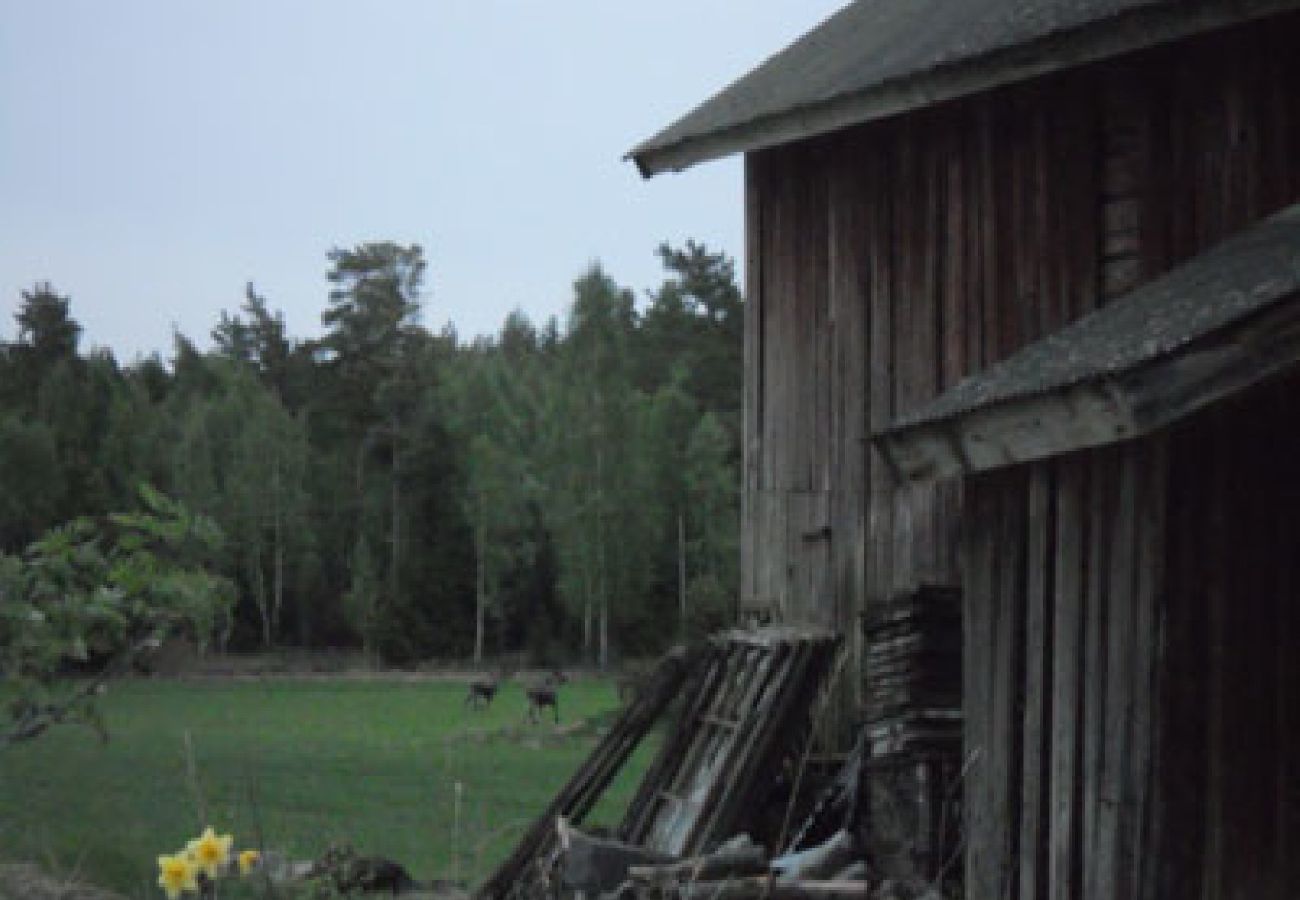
{"x":1023,"y":318}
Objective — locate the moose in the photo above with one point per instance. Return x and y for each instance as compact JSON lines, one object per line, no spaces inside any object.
{"x":544,"y":694}
{"x":481,"y":691}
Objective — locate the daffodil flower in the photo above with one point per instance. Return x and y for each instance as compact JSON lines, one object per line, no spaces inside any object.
{"x":176,"y":874}
{"x":210,"y":851}
{"x":248,"y":859}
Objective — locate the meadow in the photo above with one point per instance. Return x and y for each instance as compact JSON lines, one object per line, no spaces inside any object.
{"x":295,"y":765}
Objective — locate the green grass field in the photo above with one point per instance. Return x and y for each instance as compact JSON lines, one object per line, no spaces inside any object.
{"x":293,"y":766}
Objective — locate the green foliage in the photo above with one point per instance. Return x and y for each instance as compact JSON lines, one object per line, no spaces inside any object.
{"x":95,"y":593}
{"x":387,"y":487}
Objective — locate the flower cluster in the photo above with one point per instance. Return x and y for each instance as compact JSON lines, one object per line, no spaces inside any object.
{"x":204,"y":859}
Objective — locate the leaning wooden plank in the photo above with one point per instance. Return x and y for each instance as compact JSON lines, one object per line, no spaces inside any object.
{"x":723,"y":782}
{"x":778,"y":729}
{"x":640,"y":812}
{"x":576,"y":798}
{"x":709,"y":763}
{"x":762,"y":685}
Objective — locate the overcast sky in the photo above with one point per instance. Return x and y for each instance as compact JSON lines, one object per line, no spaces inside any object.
{"x":156,"y":155}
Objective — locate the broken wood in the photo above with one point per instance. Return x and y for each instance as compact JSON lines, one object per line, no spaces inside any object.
{"x":746,"y":713}
{"x":766,"y":887}
{"x":593,"y":865}
{"x":821,"y":861}
{"x":734,"y":859}
{"x":587,"y":784}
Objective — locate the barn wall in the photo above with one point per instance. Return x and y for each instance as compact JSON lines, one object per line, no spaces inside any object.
{"x":887,"y":261}
{"x":1063,"y":575}
{"x":1133,"y":717}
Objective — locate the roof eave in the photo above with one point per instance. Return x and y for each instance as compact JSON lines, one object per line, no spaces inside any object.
{"x":1102,"y":410}
{"x":1130,"y":31}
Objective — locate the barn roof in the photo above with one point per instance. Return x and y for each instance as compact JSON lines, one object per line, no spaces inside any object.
{"x":1213,"y":326}
{"x":876,"y":58}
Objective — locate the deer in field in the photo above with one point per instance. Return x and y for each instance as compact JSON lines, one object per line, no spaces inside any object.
{"x":481,"y":691}
{"x":544,"y":694}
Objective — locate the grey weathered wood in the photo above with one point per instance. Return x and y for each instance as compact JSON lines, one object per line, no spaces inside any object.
{"x":977,"y":663}
{"x":1067,"y":645}
{"x":706,"y":779}
{"x":1113,"y":865}
{"x":751,"y":409}
{"x":1008,"y":650}
{"x":1096,"y":624}
{"x":1152,"y":478}
{"x":1034,"y":781}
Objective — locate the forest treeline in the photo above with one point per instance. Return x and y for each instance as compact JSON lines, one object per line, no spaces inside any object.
{"x":562,"y":490}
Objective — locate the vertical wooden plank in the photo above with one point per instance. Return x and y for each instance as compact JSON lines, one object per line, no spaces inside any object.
{"x":979,"y":791}
{"x":1069,"y":583}
{"x":880,"y":175}
{"x":973,"y":235}
{"x":1094,"y":666}
{"x":751,"y":400}
{"x":1150,"y":563}
{"x":954,"y":362}
{"x":926,"y":308}
{"x":1007,"y":675}
{"x":848,"y":201}
{"x":1036,"y":773}
{"x":990,"y":221}
{"x":905,"y":250}
{"x":1114,"y":815}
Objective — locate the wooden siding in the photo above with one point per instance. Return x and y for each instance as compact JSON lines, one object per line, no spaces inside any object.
{"x":1132,"y":713}
{"x":888,"y":261}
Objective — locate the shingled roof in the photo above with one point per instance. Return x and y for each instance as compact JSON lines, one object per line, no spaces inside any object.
{"x":1213,"y":326}
{"x":877,"y":58}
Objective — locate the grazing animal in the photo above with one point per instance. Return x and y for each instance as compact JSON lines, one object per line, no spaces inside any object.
{"x":545,"y":694}
{"x":481,"y":691}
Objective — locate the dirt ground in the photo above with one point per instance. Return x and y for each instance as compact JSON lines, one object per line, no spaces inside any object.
{"x":22,"y":881}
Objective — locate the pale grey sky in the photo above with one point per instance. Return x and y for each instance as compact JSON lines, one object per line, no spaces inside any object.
{"x":155,"y":155}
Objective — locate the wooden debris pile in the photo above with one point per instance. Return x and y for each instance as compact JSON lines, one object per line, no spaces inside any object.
{"x":913,"y":730}
{"x":738,"y":869}
{"x":723,"y":768}
{"x":525,"y":872}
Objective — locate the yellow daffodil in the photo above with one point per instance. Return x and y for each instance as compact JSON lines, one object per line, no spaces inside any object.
{"x":210,"y":851}
{"x":177,"y":873}
{"x":248,"y":859}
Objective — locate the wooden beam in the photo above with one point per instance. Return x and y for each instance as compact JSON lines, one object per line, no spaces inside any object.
{"x":1103,"y":411}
